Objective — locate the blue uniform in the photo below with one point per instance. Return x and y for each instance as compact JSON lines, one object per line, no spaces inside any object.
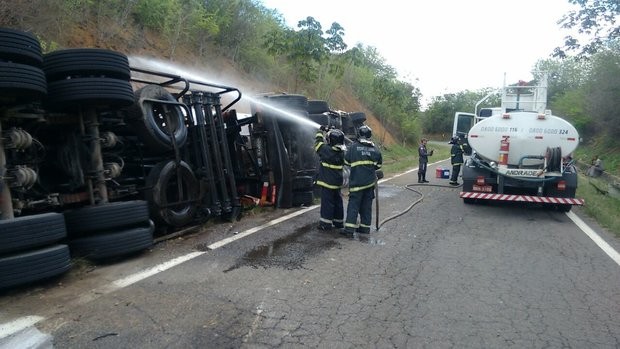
{"x":330,"y":180}
{"x":365,"y":159}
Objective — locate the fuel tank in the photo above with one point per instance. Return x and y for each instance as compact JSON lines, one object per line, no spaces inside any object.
{"x":529,"y":135}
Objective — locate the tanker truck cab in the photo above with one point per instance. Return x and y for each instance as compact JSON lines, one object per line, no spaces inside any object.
{"x":519,"y":154}
{"x":463,"y":122}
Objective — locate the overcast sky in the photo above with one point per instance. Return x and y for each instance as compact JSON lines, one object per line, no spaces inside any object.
{"x":444,"y":46}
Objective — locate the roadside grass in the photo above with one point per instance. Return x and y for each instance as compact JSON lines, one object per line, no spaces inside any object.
{"x":602,"y":207}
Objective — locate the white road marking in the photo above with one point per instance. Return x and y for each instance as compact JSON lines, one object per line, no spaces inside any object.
{"x":255,"y":229}
{"x":595,"y":237}
{"x":17,"y":325}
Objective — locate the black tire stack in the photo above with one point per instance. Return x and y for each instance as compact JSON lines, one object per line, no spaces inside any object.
{"x":31,"y":247}
{"x":87,"y":78}
{"x":109,"y":231}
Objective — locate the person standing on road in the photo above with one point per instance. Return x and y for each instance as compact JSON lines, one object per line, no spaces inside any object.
{"x":423,"y":160}
{"x":456,"y":158}
{"x":331,"y":156}
{"x":364,"y":159}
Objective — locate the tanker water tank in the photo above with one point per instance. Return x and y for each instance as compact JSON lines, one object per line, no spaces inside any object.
{"x":529,"y":134}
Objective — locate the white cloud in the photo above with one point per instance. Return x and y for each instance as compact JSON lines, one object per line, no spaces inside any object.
{"x":447,"y":45}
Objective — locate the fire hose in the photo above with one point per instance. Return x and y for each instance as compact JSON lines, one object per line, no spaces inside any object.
{"x":417,"y":201}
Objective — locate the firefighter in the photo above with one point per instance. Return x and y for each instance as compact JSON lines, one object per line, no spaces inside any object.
{"x":456,"y":158}
{"x":364,"y":159}
{"x":331,"y":156}
{"x":423,"y":160}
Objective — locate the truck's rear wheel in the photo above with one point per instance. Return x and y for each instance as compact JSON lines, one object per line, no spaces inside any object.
{"x":172,"y":193}
{"x":114,"y":244}
{"x":149,"y":120}
{"x":92,"y":219}
{"x":67,"y":95}
{"x":317,"y":107}
{"x":36,"y":265}
{"x":85,"y":62}
{"x":31,"y":231}
{"x":20,"y":47}
{"x":20,"y":80}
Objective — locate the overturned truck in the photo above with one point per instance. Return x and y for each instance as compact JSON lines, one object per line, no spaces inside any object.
{"x":97,"y":157}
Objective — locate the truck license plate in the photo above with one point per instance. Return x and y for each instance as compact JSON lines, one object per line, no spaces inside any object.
{"x":483,"y":188}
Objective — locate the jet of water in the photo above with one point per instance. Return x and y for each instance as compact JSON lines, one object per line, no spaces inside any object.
{"x":167,"y":67}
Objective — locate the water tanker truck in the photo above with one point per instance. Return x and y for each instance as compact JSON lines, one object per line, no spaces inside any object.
{"x":520,"y":152}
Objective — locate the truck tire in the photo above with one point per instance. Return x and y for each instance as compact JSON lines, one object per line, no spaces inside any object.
{"x":20,"y":80}
{"x":563,"y":208}
{"x":31,"y":266}
{"x":357,"y":118}
{"x":20,"y":47}
{"x":28,"y":232}
{"x":92,"y":219}
{"x":303,"y":198}
{"x":113,"y":244}
{"x":320,"y":119}
{"x":86,"y":62}
{"x":317,"y":107}
{"x":162,"y":190}
{"x":290,"y":102}
{"x":68,"y":95}
{"x":146,"y":118}
{"x":303,"y":183}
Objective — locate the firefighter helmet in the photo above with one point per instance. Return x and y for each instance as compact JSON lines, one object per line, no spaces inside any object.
{"x":364,"y":132}
{"x":335,"y":137}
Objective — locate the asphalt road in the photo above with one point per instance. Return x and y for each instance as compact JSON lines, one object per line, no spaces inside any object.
{"x":441,"y":275}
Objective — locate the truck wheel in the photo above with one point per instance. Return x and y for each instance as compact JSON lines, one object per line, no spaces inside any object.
{"x":164,"y":182}
{"x":85,"y":62}
{"x":149,"y":122}
{"x":113,"y":244}
{"x":67,"y":95}
{"x":357,"y":118}
{"x":294,"y":102}
{"x":317,"y":107}
{"x":303,"y":183}
{"x":305,"y":198}
{"x":20,"y":80}
{"x":92,"y":219}
{"x":37,"y":265}
{"x":20,"y":47}
{"x":31,"y":231}
{"x":320,"y":119}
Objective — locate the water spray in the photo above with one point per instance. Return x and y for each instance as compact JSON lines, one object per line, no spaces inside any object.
{"x":154,"y":64}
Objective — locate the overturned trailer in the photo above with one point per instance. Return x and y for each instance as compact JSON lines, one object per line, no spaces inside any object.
{"x":97,"y":156}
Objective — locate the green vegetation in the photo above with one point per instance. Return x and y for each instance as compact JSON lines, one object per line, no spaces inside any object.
{"x":599,"y":204}
{"x":602,"y":207}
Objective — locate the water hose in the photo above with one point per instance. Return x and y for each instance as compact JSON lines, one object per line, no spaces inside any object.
{"x":409,"y":187}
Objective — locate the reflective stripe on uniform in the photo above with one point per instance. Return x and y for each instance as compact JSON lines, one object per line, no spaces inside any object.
{"x":335,"y":167}
{"x":328,"y":186}
{"x":362,"y":187}
{"x":363,"y":162}
{"x":351,"y":225}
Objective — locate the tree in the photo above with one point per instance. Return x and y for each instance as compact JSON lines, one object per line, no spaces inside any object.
{"x":597,"y":20}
